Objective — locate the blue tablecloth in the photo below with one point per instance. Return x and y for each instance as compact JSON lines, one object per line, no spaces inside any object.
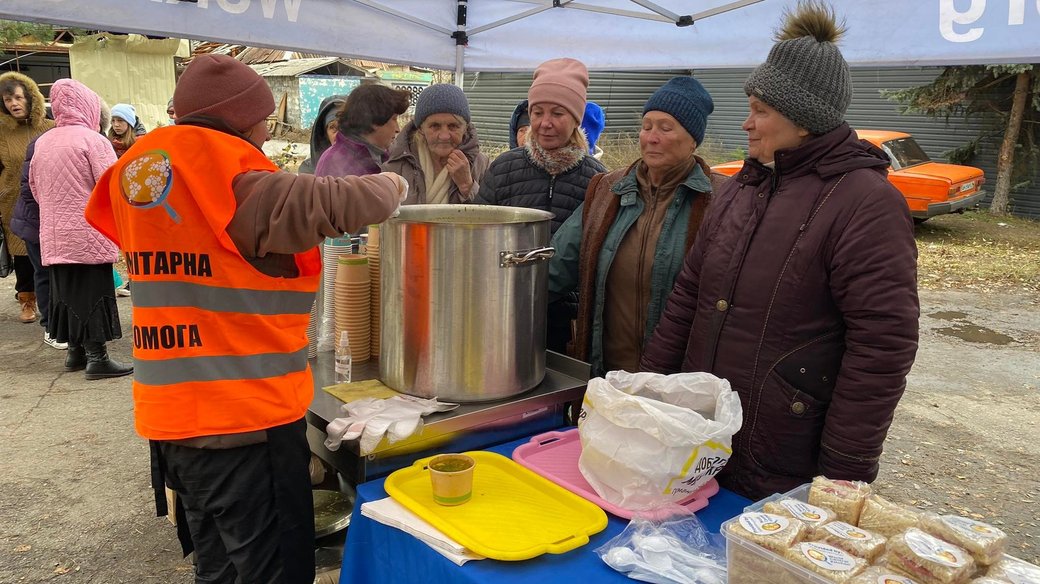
{"x":378,"y":554}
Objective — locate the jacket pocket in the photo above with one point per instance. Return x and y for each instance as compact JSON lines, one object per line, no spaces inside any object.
{"x":785,"y":437}
{"x":813,"y":368}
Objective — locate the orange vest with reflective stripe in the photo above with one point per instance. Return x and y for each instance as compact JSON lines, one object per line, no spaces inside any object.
{"x":219,"y":348}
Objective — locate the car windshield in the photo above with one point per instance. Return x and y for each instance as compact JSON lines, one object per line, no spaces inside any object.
{"x":904,"y":152}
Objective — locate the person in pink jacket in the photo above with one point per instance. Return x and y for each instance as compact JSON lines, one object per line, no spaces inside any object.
{"x":67,"y":163}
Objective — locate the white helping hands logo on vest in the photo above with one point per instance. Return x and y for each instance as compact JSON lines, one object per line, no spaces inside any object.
{"x":397,"y":417}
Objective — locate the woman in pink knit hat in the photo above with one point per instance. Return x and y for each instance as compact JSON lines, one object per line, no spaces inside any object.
{"x":553,"y":169}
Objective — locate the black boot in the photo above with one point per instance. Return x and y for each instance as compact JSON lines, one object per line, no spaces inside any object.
{"x":76,"y":358}
{"x":100,"y":366}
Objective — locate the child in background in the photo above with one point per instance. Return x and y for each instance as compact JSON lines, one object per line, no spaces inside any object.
{"x":124,"y":118}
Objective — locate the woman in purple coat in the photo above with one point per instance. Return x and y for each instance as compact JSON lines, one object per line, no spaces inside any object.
{"x":367,"y":127}
{"x":801,"y":287}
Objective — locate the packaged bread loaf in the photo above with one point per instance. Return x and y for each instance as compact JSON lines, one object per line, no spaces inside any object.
{"x":812,"y":516}
{"x":772,"y":532}
{"x":984,"y":542}
{"x":858,"y":542}
{"x":826,"y":561}
{"x":1015,"y":571}
{"x":845,"y":498}
{"x":886,"y":518}
{"x":928,"y":559}
{"x":881,"y":575}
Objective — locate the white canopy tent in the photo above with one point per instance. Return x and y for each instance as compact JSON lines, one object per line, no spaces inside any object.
{"x":513,"y":35}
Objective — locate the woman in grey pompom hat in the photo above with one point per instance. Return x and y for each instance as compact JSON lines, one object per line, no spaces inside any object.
{"x":438,"y":152}
{"x":801,"y":286}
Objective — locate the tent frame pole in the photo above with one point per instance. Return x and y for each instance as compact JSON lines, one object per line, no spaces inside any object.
{"x":461,"y":40}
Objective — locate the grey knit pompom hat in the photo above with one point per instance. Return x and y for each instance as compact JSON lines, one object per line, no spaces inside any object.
{"x":805,"y":78}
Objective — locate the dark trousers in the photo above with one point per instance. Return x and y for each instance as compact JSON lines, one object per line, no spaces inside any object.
{"x":249,"y":509}
{"x":41,"y":281}
{"x":558,"y":323}
{"x":23,"y":274}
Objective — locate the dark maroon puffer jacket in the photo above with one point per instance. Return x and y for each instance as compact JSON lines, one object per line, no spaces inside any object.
{"x":801,"y":290}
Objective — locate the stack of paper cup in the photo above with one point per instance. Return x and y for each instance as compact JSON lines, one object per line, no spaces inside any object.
{"x":372,"y":252}
{"x":332,"y":251}
{"x":352,"y":298}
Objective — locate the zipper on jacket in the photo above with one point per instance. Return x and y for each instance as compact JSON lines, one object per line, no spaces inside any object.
{"x":756,"y":396}
{"x":552,"y":186}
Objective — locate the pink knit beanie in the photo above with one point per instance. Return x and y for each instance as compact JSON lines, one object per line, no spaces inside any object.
{"x":225,"y":88}
{"x":562,"y":82}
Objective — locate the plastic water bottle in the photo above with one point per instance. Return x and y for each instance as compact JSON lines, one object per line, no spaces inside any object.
{"x":344,"y":362}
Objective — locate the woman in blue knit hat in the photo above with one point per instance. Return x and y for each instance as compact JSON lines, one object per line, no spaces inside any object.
{"x":622,"y":249}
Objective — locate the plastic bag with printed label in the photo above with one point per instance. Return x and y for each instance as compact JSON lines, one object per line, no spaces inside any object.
{"x":649,"y":440}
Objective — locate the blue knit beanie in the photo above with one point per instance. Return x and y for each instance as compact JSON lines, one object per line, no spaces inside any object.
{"x":593,"y":123}
{"x":126,"y":112}
{"x":686,"y":100}
{"x":441,"y":98}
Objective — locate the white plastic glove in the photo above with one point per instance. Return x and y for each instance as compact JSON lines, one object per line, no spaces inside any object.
{"x":402,"y":190}
{"x":398,"y":418}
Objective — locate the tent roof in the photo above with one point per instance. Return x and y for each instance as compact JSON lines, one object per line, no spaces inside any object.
{"x":510,"y":35}
{"x":297,"y":67}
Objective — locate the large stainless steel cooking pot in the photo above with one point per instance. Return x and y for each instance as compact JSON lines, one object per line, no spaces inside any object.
{"x":463,"y":301}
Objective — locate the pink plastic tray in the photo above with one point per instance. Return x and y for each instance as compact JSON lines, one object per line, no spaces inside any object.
{"x":554,"y":455}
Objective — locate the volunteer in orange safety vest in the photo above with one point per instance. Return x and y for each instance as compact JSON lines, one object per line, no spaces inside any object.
{"x":222,"y":249}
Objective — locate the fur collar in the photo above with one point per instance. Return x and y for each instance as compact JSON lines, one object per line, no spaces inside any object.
{"x":37,"y":113}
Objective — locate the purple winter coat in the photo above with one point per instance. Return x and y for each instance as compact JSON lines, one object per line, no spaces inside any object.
{"x":801,"y":290}
{"x":25,"y":221}
{"x":348,"y":156}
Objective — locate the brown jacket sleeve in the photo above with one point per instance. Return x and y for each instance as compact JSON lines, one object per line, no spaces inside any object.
{"x":285,"y":213}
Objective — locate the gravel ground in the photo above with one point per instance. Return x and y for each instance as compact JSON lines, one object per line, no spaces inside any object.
{"x":75,"y":505}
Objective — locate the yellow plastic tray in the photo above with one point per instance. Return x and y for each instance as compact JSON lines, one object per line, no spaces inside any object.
{"x":514,"y":514}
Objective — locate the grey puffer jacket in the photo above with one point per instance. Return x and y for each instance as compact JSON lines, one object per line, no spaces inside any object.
{"x":801,"y":291}
{"x":515,"y":180}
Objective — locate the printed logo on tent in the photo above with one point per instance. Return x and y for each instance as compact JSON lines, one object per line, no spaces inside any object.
{"x":147,"y":180}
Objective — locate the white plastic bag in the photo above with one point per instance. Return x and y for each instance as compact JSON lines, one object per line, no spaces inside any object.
{"x":675,"y":549}
{"x":648,"y":440}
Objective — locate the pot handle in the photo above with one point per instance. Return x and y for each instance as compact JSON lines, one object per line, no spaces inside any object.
{"x":512,"y":259}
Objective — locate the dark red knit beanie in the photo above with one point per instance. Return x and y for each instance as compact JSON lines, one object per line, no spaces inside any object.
{"x":223,"y":87}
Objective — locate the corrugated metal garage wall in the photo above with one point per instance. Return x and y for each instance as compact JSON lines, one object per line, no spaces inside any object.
{"x":869,"y":109}
{"x":492,"y":97}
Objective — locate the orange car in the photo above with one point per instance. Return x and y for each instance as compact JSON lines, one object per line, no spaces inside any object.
{"x":930,"y":188}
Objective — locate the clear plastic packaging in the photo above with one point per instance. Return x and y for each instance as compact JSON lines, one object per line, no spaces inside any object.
{"x":929,"y":559}
{"x":772,"y":532}
{"x":988,"y":580}
{"x":858,"y":542}
{"x":984,"y":542}
{"x":674,"y":550}
{"x":845,"y":498}
{"x":1015,"y":571}
{"x":812,"y":516}
{"x":881,"y":574}
{"x":886,"y":518}
{"x":826,"y":561}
